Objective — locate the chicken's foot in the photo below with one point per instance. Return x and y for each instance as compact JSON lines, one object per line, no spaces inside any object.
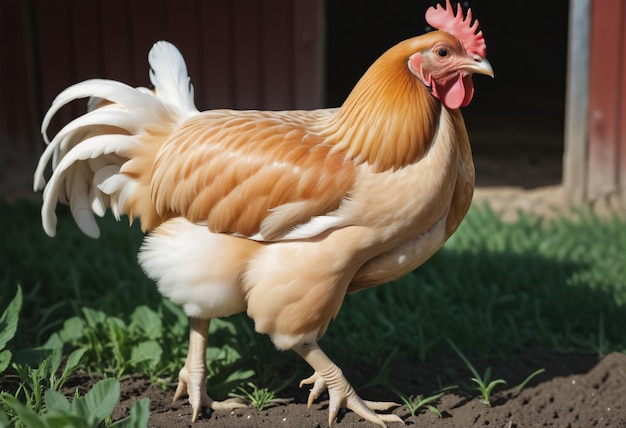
{"x":192,"y":377}
{"x":341,"y":394}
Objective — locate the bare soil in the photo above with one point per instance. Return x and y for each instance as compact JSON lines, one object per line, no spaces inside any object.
{"x":576,"y":390}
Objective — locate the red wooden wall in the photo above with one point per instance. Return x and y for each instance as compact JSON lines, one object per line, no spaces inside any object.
{"x":263,"y":54}
{"x":606,"y":173}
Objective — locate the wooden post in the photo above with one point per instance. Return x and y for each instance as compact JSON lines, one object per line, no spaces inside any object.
{"x":576,"y":102}
{"x":594,"y":166}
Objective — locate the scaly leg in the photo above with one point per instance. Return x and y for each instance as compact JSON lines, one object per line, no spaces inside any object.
{"x":341,"y":393}
{"x":192,"y":377}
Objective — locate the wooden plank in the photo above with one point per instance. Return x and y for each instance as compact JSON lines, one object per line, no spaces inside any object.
{"x":576,"y":103}
{"x":622,"y":111}
{"x":18,"y":109}
{"x":247,"y":58}
{"x":308,"y":58}
{"x":52,"y":21}
{"x":148,"y":25}
{"x":87,"y":56}
{"x":217,"y":56}
{"x":277,"y":63}
{"x":183,"y":30}
{"x":20,"y":141}
{"x":604,"y":62}
{"x":117,"y":50}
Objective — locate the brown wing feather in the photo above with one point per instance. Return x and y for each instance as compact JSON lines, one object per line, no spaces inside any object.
{"x":231,"y":168}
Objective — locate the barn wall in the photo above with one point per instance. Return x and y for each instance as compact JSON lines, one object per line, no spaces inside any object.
{"x":595,"y":158}
{"x":240,"y":53}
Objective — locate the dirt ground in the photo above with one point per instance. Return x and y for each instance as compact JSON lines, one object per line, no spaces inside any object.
{"x":576,"y":390}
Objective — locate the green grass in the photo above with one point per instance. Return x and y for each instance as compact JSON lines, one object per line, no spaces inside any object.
{"x":415,"y":404}
{"x":484,"y":383}
{"x":493,"y":288}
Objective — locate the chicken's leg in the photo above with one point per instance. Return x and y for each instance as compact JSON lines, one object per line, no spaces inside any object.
{"x":192,"y":377}
{"x":341,"y":393}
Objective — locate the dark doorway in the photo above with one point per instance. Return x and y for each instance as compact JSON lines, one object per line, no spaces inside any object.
{"x":516,"y":118}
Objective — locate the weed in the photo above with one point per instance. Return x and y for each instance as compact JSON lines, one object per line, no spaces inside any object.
{"x":116,"y":346}
{"x":8,"y":327}
{"x":414,"y":404}
{"x":259,"y":398}
{"x":41,"y":378}
{"x":43,"y":375}
{"x":522,"y":385}
{"x":91,"y":410}
{"x":485,"y":384}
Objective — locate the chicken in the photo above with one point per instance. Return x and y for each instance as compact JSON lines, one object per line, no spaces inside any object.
{"x":277,"y":213}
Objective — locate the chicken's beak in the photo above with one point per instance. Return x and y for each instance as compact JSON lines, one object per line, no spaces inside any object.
{"x":479,"y":65}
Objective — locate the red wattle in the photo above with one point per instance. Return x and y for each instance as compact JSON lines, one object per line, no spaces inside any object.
{"x":455,"y":93}
{"x":469,"y":89}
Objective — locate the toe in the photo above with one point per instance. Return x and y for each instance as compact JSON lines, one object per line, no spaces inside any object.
{"x":380,"y":405}
{"x":181,"y":390}
{"x":319,"y":385}
{"x":309,"y":380}
{"x":365,"y":409}
{"x":229,"y":404}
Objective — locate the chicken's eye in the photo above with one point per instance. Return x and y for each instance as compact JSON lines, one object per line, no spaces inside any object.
{"x":442,"y":52}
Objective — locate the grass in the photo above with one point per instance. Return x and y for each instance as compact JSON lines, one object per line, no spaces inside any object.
{"x":259,"y":398}
{"x":414,"y":404}
{"x":484,"y":383}
{"x":494,"y":287}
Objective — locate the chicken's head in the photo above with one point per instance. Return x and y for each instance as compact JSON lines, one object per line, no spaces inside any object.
{"x":455,"y":52}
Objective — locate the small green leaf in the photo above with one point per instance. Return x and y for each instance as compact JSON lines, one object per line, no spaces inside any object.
{"x":73,"y":330}
{"x":54,"y":341}
{"x":56,"y":419}
{"x":146,"y":353}
{"x":99,"y":401}
{"x":55,"y":360}
{"x":56,"y":401}
{"x":4,"y":419}
{"x":5,"y":360}
{"x":26,"y":415}
{"x":435,"y":410}
{"x":9,"y":318}
{"x":139,"y":413}
{"x":72,"y":363}
{"x":528,"y":379}
{"x":94,"y":317}
{"x":147,"y":322}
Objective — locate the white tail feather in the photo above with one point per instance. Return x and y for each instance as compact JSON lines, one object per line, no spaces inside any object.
{"x":168,"y":74}
{"x":88,"y":152}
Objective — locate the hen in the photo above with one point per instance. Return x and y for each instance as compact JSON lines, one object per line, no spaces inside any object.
{"x":277,"y":213}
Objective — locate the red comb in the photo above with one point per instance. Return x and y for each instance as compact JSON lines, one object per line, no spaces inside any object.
{"x":443,"y":18}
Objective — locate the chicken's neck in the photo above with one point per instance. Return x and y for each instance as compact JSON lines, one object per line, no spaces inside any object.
{"x":388,"y":120}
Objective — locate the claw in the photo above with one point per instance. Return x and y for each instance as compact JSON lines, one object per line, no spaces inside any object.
{"x":341,"y":394}
{"x":318,"y":387}
{"x":381,"y":405}
{"x":198,"y":397}
{"x":194,"y":388}
{"x":365,"y":409}
{"x":192,"y":377}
